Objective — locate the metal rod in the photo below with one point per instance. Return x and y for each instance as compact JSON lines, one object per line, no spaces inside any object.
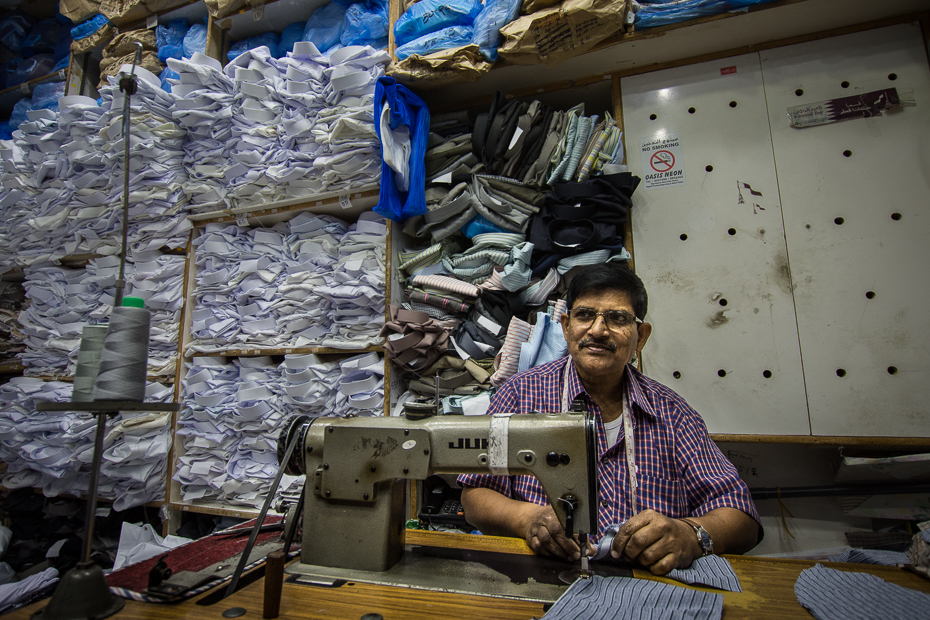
{"x":128,"y":87}
{"x":92,"y":487}
{"x":839,"y":490}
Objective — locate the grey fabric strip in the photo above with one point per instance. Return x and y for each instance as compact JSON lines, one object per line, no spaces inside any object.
{"x":623,"y":598}
{"x":831,"y":594}
{"x":871,"y":556}
{"x":712,"y":571}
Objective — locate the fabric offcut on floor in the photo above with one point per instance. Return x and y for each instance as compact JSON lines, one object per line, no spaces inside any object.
{"x":622,"y":598}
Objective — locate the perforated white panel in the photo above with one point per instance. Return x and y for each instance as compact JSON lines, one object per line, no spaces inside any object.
{"x":712,"y":250}
{"x":855,"y":198}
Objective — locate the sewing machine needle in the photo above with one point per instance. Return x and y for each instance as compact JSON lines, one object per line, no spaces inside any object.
{"x":585,"y":573}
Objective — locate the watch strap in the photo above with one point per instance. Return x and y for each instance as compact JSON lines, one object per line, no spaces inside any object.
{"x":703,"y":537}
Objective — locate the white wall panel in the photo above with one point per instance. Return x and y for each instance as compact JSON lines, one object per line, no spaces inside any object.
{"x":716,"y":266}
{"x":855,"y":197}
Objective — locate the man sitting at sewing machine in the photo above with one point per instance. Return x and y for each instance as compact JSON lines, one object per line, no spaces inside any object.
{"x":688,"y":500}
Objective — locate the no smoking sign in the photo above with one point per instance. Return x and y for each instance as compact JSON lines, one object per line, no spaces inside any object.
{"x":662,"y":161}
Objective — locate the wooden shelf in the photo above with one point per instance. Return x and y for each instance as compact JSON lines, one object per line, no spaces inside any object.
{"x":346,"y":205}
{"x":100,"y":500}
{"x":216,"y":508}
{"x":11,"y":369}
{"x":257,"y":351}
{"x":822,"y":440}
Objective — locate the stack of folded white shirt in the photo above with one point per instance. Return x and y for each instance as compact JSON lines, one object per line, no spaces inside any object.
{"x":361,"y":386}
{"x":232,"y":417}
{"x":53,"y":450}
{"x":355,"y":286}
{"x":205,"y":109}
{"x":310,"y":385}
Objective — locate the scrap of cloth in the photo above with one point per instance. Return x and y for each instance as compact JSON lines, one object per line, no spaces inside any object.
{"x":831,"y":594}
{"x":620,"y":598}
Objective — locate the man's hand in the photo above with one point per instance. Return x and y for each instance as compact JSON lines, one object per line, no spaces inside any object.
{"x":657,"y":542}
{"x":544,"y":533}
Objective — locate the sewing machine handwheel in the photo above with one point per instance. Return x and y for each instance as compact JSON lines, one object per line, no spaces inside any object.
{"x":296,"y":465}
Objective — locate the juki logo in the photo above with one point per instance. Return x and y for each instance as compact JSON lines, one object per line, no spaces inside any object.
{"x":467,"y":444}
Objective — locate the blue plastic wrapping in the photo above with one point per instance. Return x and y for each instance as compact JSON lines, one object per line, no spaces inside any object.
{"x":46,"y":96}
{"x":324,"y":28}
{"x":41,"y":38}
{"x":89,"y":27}
{"x":660,"y":14}
{"x":63,"y":45}
{"x":195,"y":40}
{"x":289,"y":36}
{"x":431,"y":15}
{"x":172,"y":34}
{"x":268,"y":39}
{"x":18,"y":116}
{"x":167,"y":74}
{"x":170,"y":51}
{"x":479,"y":225}
{"x":495,"y":15}
{"x":6,"y":132}
{"x":14,"y":26}
{"x":62,"y":63}
{"x":453,"y":36}
{"x":29,"y":69}
{"x":365,"y":23}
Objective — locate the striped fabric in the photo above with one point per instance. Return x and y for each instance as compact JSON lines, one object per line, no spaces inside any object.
{"x":518,"y":332}
{"x":561,"y":307}
{"x":446,"y":303}
{"x":831,"y":594}
{"x":599,"y":598}
{"x":710,"y":570}
{"x":445,"y":283}
{"x":537,"y":293}
{"x":581,"y":141}
{"x":415,"y":260}
{"x":871,"y":556}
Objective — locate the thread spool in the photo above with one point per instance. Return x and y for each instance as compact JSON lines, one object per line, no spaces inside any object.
{"x":88,"y":362}
{"x":125,"y":353}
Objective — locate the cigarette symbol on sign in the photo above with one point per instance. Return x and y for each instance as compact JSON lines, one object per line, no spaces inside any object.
{"x":662,"y":161}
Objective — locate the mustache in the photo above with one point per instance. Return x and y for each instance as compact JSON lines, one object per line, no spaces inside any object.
{"x":587,"y":342}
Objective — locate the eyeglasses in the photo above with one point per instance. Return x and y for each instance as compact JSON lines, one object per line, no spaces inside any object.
{"x":615,"y":319}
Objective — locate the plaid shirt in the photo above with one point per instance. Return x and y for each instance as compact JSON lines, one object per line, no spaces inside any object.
{"x":681,"y":471}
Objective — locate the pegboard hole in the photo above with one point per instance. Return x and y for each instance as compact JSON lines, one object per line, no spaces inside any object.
{"x":691,"y":110}
{"x":732,"y":104}
{"x":676,"y":375}
{"x":723,"y":302}
{"x":840,"y":372}
{"x":767,"y":374}
{"x":721,"y":373}
{"x":870,"y":295}
{"x":653,"y":117}
{"x":731,"y":231}
{"x":799,"y":92}
{"x":892,"y":370}
{"x":892,"y":76}
{"x":709,"y":168}
{"x":844,"y":84}
{"x":838,"y":221}
{"x":896,"y":216}
{"x":807,"y":226}
{"x":683,"y":237}
{"x":847,"y":153}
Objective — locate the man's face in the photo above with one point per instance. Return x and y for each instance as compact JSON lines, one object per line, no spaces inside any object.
{"x":599,"y":350}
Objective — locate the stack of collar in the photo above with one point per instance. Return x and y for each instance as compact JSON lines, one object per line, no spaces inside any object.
{"x":361,"y":386}
{"x":309,"y":385}
{"x":413,"y":340}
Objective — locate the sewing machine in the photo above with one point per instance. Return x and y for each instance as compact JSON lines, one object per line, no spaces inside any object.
{"x":354,"y":508}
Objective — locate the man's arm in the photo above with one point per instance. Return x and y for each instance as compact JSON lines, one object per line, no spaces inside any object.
{"x":661,"y":544}
{"x":497,"y":515}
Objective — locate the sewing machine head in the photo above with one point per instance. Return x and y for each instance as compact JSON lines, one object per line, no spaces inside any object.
{"x":354,"y":515}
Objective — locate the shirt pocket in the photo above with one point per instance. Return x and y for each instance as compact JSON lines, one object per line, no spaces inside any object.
{"x":664,"y":495}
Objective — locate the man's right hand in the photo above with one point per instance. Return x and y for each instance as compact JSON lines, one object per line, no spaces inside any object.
{"x":544,"y":533}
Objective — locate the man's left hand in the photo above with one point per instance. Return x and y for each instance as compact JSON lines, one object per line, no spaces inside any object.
{"x":657,"y":542}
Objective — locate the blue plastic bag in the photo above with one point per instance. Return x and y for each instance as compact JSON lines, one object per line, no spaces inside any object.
{"x":268,"y":39}
{"x":46,"y":96}
{"x":195,"y":40}
{"x":89,"y":27}
{"x":479,"y":225}
{"x":289,"y":36}
{"x":324,"y":27}
{"x":365,"y":23}
{"x":495,"y":15}
{"x":431,"y":15}
{"x":651,"y":15}
{"x":165,"y":75}
{"x":170,"y":51}
{"x":41,"y":38}
{"x":14,"y":26}
{"x":172,"y":34}
{"x":62,"y":63}
{"x":18,"y":116}
{"x":453,"y":36}
{"x":63,"y":46}
{"x":29,"y":69}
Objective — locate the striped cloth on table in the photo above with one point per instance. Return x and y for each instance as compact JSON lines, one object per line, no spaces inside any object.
{"x":599,"y":598}
{"x":871,"y":556}
{"x":831,"y":594}
{"x":709,"y":570}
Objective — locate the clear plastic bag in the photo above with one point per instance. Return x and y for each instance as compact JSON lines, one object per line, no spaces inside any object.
{"x":324,"y":28}
{"x":195,"y":40}
{"x":366,"y":23}
{"x":14,"y":26}
{"x":432,"y":15}
{"x":453,"y":36}
{"x":495,"y":15}
{"x":41,"y":38}
{"x":289,"y":36}
{"x":89,"y":27}
{"x":268,"y":39}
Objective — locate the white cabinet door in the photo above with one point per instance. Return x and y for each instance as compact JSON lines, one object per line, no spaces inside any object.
{"x":856,"y":204}
{"x":710,"y":245}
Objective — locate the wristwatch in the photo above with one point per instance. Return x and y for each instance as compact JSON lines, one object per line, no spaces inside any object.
{"x":703,"y":538}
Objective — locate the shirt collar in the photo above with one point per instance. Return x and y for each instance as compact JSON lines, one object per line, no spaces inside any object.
{"x":633,"y":381}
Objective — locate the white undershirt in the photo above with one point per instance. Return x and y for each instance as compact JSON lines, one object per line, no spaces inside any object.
{"x":613,"y":431}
